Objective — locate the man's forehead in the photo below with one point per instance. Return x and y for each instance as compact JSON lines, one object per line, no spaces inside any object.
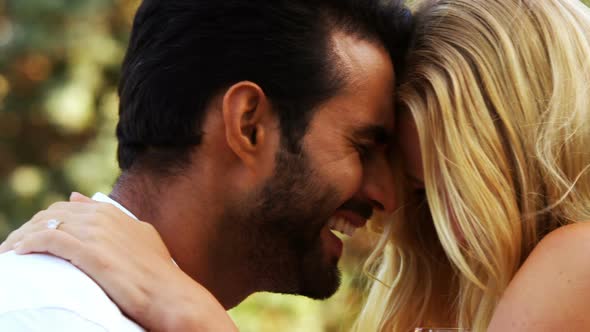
{"x":369,"y":74}
{"x":357,"y":56}
{"x":377,"y":116}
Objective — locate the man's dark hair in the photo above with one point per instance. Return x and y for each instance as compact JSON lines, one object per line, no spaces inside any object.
{"x":184,"y":52}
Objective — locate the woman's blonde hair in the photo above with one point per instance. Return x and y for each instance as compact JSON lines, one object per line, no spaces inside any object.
{"x":500,"y":93}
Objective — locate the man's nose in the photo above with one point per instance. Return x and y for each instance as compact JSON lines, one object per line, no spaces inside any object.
{"x":378,"y":186}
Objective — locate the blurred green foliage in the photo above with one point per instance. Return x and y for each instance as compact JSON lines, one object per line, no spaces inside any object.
{"x":59,"y":64}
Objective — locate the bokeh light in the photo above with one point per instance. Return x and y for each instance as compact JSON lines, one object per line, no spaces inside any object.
{"x":26,"y":181}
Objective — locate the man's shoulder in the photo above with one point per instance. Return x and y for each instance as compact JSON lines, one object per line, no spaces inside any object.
{"x":37,"y":281}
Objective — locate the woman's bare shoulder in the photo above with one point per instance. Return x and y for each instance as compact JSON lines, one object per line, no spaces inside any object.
{"x":551,"y":290}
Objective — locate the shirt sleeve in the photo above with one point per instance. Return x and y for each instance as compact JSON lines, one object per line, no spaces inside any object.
{"x":47,"y":319}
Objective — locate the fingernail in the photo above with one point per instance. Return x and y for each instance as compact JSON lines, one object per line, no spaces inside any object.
{"x":17,"y":246}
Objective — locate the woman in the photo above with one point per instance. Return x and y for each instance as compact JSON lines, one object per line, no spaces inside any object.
{"x":499,"y":95}
{"x":493,"y":130}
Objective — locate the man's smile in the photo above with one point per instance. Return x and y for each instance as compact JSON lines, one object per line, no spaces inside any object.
{"x":353,"y":214}
{"x":346,"y":222}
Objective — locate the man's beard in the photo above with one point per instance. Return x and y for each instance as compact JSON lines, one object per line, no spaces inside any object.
{"x":277,"y":231}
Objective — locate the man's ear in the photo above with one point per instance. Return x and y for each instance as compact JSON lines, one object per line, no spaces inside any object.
{"x":248,"y":120}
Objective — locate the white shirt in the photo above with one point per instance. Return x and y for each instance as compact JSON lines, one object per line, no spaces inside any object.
{"x":45,"y":293}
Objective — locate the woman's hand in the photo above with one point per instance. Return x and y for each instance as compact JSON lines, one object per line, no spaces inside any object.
{"x":128,"y":259}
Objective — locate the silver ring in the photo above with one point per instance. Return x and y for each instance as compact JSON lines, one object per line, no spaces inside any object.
{"x":53,"y":223}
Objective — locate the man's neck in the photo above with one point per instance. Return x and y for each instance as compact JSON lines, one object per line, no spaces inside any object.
{"x":187,"y":225}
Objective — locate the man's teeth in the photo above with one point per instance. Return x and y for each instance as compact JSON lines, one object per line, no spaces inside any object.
{"x":341,"y":225}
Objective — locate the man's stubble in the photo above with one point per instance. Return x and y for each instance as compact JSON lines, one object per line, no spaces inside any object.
{"x":276,"y":230}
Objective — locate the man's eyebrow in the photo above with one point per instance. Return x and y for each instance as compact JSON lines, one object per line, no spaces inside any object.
{"x":375,"y":133}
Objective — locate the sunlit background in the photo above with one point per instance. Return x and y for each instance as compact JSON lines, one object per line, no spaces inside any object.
{"x":59,"y":66}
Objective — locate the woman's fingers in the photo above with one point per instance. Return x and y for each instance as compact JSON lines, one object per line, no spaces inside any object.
{"x":51,"y":241}
{"x":77,"y":197}
{"x":59,"y":211}
{"x":9,"y":242}
{"x":67,"y":212}
{"x":17,"y":235}
{"x":38,"y":223}
{"x":12,"y":238}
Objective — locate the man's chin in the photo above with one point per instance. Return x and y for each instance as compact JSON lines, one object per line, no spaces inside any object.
{"x":323,"y":294}
{"x":321,"y":286}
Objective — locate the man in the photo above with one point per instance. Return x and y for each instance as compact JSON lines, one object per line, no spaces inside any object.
{"x":248,"y":131}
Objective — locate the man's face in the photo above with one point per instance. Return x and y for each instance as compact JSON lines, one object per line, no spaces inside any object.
{"x":342,"y":175}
